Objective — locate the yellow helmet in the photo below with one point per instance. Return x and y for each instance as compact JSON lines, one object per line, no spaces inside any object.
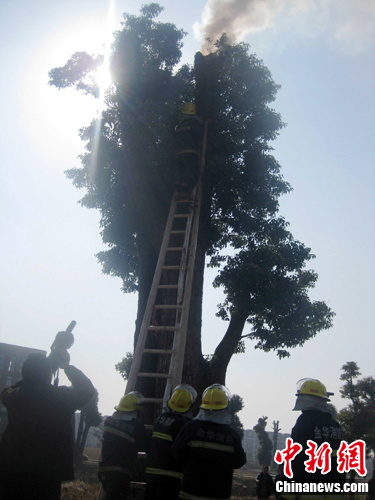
{"x":130,"y":402}
{"x":312,"y":387}
{"x":182,"y":398}
{"x":215,"y":397}
{"x":188,"y":108}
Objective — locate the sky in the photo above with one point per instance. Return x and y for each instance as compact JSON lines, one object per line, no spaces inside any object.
{"x":321,"y":53}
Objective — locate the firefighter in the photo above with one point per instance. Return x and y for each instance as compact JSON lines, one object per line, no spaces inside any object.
{"x":163,"y":472}
{"x":124,"y":435}
{"x":36,"y":449}
{"x":209,"y":449}
{"x":316,"y":424}
{"x":189,"y":135}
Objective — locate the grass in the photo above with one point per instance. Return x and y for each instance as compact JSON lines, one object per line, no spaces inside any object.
{"x":92,"y":453}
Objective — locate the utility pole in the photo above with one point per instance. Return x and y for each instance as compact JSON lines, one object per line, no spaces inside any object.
{"x":276,"y":430}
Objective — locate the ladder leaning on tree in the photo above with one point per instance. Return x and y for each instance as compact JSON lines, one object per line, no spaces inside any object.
{"x":166,"y":316}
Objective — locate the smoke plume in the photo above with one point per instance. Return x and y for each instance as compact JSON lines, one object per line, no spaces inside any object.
{"x":236,"y":18}
{"x":350,"y":22}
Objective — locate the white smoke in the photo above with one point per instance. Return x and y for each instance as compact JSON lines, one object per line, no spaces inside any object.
{"x":350,"y":22}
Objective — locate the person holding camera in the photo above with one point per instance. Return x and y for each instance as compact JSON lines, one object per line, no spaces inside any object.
{"x":36,"y":449}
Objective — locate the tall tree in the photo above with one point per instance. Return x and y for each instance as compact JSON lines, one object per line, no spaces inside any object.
{"x":350,"y":372}
{"x":265,"y":449}
{"x":236,"y":404}
{"x":358,"y":418}
{"x":127,"y":172}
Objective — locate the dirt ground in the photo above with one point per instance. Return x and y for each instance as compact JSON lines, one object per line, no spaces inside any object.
{"x":78,"y":490}
{"x":87,"y":487}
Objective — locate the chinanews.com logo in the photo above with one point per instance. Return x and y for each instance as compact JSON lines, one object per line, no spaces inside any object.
{"x":287,"y":487}
{"x":348,"y":457}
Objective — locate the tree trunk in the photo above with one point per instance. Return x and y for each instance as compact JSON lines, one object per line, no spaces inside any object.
{"x":195,"y":371}
{"x":225,"y":350}
{"x":147,"y":265}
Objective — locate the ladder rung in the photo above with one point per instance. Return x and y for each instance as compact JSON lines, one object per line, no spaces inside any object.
{"x":175,"y":249}
{"x":178,"y":232}
{"x":163,"y":328}
{"x":155,"y":375}
{"x":167,"y":306}
{"x":185,"y":200}
{"x":153,"y":400}
{"x":158,"y":351}
{"x":181,"y":216}
{"x":171,"y":268}
{"x":165,"y":287}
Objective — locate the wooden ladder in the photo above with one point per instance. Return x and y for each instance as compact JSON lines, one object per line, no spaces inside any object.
{"x":165,"y":322}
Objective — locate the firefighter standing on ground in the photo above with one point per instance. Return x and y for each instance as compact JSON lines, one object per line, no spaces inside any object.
{"x":189,"y":134}
{"x":36,"y":449}
{"x":316,"y":424}
{"x":163,"y":472}
{"x":124,"y":435}
{"x":209,"y":449}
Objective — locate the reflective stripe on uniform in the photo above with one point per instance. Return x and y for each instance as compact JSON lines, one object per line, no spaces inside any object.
{"x":160,"y":435}
{"x":188,"y":496}
{"x":211,"y":446}
{"x":162,"y":472}
{"x":119,"y":433}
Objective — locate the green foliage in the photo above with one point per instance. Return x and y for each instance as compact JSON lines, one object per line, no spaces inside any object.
{"x":332,"y":409}
{"x":127,"y":173}
{"x":265,"y":450}
{"x":358,"y":418}
{"x":350,"y":372}
{"x":123,"y":366}
{"x":79,"y":72}
{"x":236,"y":404}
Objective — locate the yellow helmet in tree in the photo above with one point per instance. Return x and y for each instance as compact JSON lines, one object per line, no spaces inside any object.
{"x":312,"y":387}
{"x":130,"y":402}
{"x":189,"y":108}
{"x":215,"y":397}
{"x":182,"y":398}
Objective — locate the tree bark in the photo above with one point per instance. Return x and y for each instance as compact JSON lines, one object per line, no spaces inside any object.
{"x":195,"y":371}
{"x":226,"y":348}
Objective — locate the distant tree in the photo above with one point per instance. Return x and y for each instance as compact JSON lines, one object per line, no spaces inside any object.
{"x":123,"y":366}
{"x":265,"y":450}
{"x":127,"y":173}
{"x":350,"y":373}
{"x":236,"y":404}
{"x":332,"y":410}
{"x":358,"y":418}
{"x":89,"y":417}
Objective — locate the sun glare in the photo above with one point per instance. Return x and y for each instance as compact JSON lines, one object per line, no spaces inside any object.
{"x":103,"y":77}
